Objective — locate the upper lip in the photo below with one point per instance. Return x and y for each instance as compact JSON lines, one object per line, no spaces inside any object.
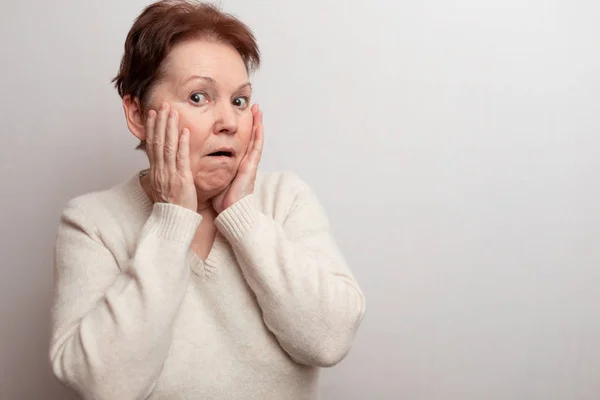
{"x":226,"y":149}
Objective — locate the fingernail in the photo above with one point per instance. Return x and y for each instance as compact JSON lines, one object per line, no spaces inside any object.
{"x":163,"y":106}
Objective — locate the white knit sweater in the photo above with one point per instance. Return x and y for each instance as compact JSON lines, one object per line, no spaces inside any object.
{"x":137,"y":315}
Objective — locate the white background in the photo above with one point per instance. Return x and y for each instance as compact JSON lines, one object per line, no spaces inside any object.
{"x":454,"y":144}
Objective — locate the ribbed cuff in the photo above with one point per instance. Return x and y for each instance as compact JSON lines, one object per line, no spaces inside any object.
{"x":238,"y":219}
{"x":173,"y":222}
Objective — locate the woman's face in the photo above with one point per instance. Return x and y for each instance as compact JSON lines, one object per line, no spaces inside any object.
{"x":207,"y":83}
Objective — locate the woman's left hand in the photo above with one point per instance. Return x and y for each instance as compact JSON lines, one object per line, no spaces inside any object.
{"x":243,"y":183}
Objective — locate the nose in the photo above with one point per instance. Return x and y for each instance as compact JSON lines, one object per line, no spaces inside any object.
{"x":225,"y":119}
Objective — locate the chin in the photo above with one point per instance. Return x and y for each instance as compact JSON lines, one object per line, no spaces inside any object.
{"x":213,"y":182}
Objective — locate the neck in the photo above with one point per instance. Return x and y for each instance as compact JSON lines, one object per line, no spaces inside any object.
{"x":205,"y":206}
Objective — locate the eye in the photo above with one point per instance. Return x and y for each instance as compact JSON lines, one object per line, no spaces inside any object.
{"x":241,"y":102}
{"x":198,"y":98}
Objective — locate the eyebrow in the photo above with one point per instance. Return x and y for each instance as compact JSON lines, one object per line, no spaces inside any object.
{"x":213,"y":82}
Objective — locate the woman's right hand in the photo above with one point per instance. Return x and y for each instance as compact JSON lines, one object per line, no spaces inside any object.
{"x":168,"y":149}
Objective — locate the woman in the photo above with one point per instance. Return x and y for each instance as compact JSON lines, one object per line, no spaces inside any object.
{"x":199,"y":278}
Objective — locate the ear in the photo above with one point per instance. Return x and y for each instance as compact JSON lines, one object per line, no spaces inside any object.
{"x":134,"y":116}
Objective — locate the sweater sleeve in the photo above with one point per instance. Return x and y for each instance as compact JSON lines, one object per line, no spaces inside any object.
{"x":110,"y":327}
{"x":309,"y":298}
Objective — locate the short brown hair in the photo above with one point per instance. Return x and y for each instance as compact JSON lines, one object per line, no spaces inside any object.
{"x":161,"y":26}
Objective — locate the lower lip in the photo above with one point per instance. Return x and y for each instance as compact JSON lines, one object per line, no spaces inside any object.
{"x":219,"y":158}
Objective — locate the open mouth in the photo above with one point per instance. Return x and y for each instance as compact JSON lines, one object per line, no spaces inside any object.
{"x":221,"y":153}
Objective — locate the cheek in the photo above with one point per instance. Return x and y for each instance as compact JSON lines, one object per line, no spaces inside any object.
{"x":199,"y":130}
{"x":245,"y":127}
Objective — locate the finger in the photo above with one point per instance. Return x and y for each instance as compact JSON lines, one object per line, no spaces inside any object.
{"x":255,"y":120}
{"x":159,"y":136}
{"x":171,"y":141}
{"x":254,"y":152}
{"x":250,"y":143}
{"x":183,"y":153}
{"x":255,"y":115}
{"x":259,"y":140}
{"x":150,"y":125}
